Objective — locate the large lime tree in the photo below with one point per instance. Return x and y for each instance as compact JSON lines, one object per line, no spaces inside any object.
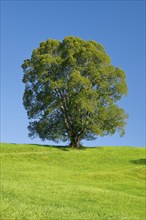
{"x":72,"y":91}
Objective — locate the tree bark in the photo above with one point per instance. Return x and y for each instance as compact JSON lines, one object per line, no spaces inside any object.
{"x":75,"y":142}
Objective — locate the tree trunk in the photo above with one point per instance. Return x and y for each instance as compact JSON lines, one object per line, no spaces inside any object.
{"x":75,"y":142}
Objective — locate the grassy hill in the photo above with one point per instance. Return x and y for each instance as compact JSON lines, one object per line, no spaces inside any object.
{"x":47,"y":183}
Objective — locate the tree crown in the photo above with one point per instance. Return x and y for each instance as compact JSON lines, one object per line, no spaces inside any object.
{"x":72,"y":91}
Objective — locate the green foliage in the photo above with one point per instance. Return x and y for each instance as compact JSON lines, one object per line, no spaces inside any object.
{"x":46,"y":183}
{"x":72,"y":90}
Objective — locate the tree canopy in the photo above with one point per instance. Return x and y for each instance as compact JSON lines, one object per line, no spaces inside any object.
{"x":72,"y":91}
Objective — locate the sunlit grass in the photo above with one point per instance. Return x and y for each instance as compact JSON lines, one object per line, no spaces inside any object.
{"x":41,"y":183}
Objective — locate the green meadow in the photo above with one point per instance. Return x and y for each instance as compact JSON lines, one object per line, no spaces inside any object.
{"x":59,"y":183}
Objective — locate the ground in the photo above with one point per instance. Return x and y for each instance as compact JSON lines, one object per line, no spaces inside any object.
{"x":59,"y":183}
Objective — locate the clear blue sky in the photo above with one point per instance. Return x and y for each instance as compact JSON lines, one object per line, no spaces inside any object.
{"x":118,"y":25}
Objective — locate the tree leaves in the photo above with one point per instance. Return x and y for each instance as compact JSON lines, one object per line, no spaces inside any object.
{"x":72,"y":90}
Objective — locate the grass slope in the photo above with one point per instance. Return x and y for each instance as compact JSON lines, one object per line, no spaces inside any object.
{"x":39,"y":182}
